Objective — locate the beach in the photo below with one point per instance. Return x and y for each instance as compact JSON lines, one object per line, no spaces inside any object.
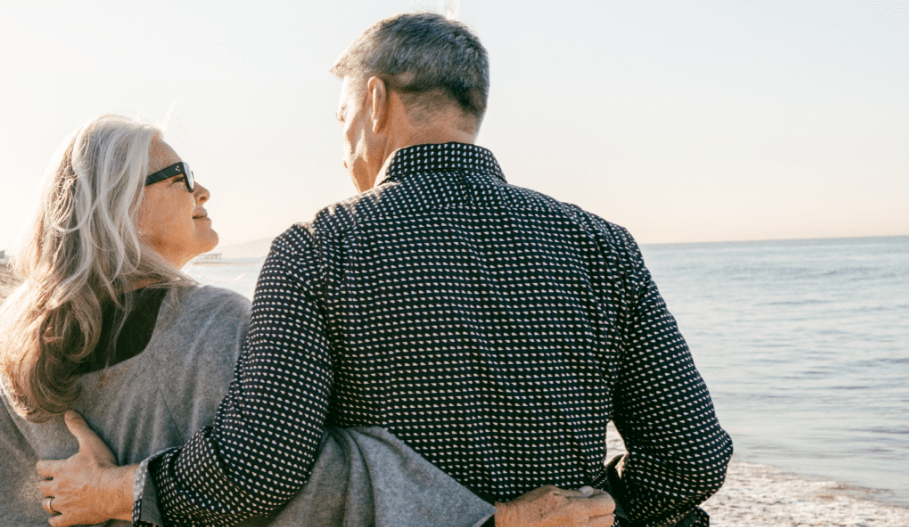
{"x":764,"y":496}
{"x":756,"y":495}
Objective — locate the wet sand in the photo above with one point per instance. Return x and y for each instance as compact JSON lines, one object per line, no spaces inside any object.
{"x":761,"y":495}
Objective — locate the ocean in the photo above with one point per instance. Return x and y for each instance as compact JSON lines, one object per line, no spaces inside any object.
{"x":804,"y":345}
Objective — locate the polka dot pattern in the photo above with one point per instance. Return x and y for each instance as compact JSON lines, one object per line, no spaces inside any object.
{"x":493,"y":329}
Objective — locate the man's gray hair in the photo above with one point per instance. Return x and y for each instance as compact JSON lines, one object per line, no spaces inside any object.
{"x":420,"y":55}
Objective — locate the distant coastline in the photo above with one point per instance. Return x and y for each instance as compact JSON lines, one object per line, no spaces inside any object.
{"x":8,"y":281}
{"x":780,"y":240}
{"x":259,"y":248}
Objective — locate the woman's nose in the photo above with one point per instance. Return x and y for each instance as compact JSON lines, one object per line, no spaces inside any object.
{"x":202,"y":193}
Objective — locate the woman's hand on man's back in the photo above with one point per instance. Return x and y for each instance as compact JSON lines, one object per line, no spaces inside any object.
{"x":554,"y":507}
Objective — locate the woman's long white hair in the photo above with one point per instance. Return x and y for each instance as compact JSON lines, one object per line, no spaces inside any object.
{"x":82,"y":250}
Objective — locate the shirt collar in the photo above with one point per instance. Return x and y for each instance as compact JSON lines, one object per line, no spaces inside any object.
{"x":439,"y":157}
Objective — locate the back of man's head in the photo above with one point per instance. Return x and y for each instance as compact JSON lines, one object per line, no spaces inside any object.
{"x":432,"y":62}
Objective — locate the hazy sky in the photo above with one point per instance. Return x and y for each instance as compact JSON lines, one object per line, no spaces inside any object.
{"x":680,"y":120}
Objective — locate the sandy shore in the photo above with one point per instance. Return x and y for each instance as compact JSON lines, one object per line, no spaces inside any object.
{"x":758,"y":495}
{"x":764,"y":496}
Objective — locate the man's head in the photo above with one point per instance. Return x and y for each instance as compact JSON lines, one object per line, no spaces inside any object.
{"x":409,"y":75}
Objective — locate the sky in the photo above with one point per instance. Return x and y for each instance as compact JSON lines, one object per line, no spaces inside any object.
{"x":683,"y":121}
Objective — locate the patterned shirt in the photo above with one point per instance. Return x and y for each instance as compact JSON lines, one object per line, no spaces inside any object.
{"x":493,"y":329}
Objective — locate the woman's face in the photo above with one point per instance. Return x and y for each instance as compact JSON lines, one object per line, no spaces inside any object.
{"x":172,"y":220}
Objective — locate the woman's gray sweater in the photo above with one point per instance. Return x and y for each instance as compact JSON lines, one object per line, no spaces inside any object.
{"x":159,"y":398}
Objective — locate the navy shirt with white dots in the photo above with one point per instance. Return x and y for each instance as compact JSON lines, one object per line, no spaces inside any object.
{"x":493,"y":329}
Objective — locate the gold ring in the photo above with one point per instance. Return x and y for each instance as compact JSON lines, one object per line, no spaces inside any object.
{"x":48,"y":507}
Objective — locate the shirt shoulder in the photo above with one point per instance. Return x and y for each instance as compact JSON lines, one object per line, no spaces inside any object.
{"x":612,"y":234}
{"x":342,"y":217}
{"x":305,"y":247}
{"x":610,"y":237}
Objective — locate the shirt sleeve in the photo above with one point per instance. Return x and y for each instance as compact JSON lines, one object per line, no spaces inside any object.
{"x":261,"y":448}
{"x":677,"y":451}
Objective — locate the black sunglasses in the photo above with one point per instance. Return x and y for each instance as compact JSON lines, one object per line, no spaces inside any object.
{"x":173,"y":171}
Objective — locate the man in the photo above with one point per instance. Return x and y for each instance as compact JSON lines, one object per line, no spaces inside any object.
{"x":494,"y":330}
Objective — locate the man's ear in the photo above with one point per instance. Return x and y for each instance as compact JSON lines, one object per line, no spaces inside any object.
{"x":378,"y":99}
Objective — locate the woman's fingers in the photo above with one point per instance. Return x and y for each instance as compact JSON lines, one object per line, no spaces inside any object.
{"x":588,"y":507}
{"x":550,"y":506}
{"x":598,"y":504}
{"x":601,"y":521}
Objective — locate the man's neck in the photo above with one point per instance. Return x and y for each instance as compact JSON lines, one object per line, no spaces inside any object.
{"x":424,"y":137}
{"x":438,"y":136}
{"x":428,"y":136}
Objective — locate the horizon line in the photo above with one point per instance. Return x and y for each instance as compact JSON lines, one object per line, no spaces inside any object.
{"x":9,"y":255}
{"x":782,"y":239}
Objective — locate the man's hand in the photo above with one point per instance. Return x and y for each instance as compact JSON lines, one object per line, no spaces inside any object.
{"x":88,"y":487}
{"x":554,"y":507}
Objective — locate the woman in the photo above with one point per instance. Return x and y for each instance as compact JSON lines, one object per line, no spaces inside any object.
{"x":106,"y":324}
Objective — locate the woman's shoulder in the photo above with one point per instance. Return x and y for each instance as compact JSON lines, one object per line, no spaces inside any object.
{"x":209,"y":293}
{"x":190,"y":311}
{"x":208,"y":301}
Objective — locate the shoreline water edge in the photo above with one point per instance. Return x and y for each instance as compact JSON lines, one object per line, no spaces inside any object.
{"x":762,"y":495}
{"x":753,"y":494}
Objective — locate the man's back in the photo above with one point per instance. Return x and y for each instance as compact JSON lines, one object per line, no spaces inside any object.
{"x":494,"y":330}
{"x":469,"y":317}
{"x":497,"y":331}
